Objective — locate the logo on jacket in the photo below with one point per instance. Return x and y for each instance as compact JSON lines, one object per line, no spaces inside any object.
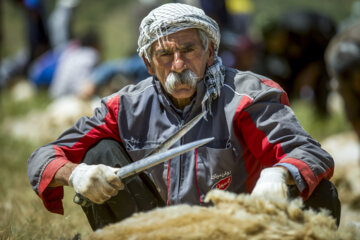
{"x":220,"y":175}
{"x":223,"y":184}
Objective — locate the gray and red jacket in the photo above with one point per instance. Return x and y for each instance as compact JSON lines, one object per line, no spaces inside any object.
{"x":251,"y":121}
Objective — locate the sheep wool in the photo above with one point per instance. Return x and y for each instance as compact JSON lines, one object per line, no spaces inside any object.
{"x":231,"y":217}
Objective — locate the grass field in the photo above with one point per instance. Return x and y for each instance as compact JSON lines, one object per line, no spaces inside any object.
{"x":22,"y":213}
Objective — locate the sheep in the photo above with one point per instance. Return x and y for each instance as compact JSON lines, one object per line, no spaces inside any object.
{"x":232,"y":216}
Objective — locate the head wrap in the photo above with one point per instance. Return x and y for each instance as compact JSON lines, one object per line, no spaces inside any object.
{"x":173,"y":17}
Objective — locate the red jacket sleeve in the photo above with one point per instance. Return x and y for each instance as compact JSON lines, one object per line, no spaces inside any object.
{"x":271,"y":135}
{"x":71,"y":146}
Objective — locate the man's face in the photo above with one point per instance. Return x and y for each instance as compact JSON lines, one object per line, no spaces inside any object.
{"x":175,"y":55}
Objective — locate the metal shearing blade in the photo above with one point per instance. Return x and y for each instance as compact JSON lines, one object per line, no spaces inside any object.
{"x":146,"y":163}
{"x":176,"y":136}
{"x":158,"y":158}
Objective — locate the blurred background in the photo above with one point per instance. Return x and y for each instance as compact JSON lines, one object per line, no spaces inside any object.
{"x":59,"y":57}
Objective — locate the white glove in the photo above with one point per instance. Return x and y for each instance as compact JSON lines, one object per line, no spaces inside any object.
{"x":272,"y":183}
{"x":97,"y":183}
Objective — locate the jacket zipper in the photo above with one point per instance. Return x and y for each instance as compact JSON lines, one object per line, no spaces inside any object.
{"x":180,"y":163}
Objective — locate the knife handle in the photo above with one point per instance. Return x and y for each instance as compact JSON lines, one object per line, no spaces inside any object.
{"x":85,"y":202}
{"x":81,"y":200}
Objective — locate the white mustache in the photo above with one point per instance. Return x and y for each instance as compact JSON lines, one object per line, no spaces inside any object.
{"x":186,"y":77}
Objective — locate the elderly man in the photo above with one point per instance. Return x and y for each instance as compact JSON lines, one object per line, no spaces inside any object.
{"x":259,"y":145}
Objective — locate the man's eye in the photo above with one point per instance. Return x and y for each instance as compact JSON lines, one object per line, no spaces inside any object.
{"x":186,"y":50}
{"x":164,"y":54}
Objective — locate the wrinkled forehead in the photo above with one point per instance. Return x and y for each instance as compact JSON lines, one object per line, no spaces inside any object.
{"x":179,"y":39}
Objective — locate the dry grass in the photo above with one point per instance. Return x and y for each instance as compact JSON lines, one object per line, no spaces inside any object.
{"x":24,"y":217}
{"x":22,"y":213}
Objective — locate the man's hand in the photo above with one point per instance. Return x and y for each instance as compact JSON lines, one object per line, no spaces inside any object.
{"x":272,"y":183}
{"x":97,"y":183}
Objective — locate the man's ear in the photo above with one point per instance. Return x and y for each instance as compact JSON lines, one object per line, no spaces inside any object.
{"x":211,"y":50}
{"x":148,"y":66}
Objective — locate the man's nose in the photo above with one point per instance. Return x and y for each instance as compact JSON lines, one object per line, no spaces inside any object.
{"x":178,"y":64}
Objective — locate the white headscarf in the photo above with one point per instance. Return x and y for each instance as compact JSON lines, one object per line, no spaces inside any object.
{"x":173,"y":17}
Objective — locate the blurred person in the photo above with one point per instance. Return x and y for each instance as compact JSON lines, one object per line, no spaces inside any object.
{"x":293,"y":55}
{"x":47,"y":37}
{"x":240,"y":14}
{"x":42,"y":70}
{"x":37,"y":41}
{"x":37,"y":33}
{"x":11,"y":67}
{"x":237,"y":48}
{"x":343,"y":64}
{"x":60,"y":22}
{"x":112,"y":75}
{"x":75,"y":64}
{"x":105,"y":77}
{"x":66,"y":69}
{"x":259,"y":147}
{"x":229,"y":14}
